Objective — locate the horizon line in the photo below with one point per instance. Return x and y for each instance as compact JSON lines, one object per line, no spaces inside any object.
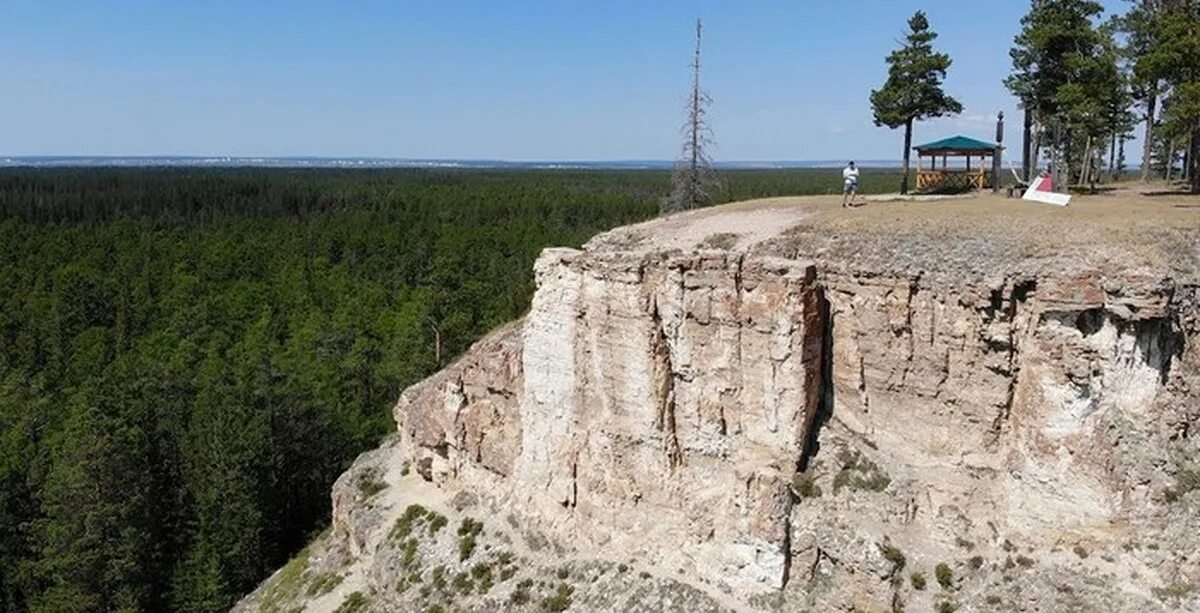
{"x":318,"y":161}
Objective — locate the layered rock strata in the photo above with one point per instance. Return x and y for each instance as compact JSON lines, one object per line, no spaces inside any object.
{"x":652,"y":408}
{"x":659,"y":407}
{"x":812,"y":415}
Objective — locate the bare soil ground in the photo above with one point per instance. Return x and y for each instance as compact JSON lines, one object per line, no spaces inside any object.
{"x":1130,"y":227}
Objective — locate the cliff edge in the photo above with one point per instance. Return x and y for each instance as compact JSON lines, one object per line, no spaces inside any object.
{"x":783,"y":405}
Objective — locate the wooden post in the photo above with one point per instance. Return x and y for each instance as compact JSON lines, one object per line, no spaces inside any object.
{"x":919,"y":156}
{"x":998,"y":152}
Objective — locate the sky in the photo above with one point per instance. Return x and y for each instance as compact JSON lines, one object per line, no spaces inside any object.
{"x":479,"y":79}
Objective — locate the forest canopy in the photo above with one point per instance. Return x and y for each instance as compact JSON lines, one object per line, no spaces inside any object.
{"x":190,"y":358}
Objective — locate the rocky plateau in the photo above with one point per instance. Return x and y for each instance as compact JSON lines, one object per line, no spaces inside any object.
{"x":972,"y":405}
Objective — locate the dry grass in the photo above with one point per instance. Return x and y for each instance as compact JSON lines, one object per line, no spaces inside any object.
{"x":1130,"y":228}
{"x":988,"y":235}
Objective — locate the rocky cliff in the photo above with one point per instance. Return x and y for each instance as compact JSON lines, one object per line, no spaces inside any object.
{"x":778,"y":405}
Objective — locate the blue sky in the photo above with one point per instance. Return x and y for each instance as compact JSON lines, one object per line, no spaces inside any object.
{"x":488,"y":79}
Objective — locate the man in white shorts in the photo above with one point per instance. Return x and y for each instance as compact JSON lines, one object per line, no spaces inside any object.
{"x":849,"y":184}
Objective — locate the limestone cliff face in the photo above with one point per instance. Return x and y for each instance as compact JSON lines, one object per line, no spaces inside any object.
{"x":654,"y":408}
{"x":777,"y":426}
{"x":660,"y":406}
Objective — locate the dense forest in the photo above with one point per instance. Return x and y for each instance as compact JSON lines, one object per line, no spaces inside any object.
{"x":189,"y":358}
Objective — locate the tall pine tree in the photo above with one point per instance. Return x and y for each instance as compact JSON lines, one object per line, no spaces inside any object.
{"x":913,"y":90}
{"x":102,"y":534}
{"x":1064,"y":76}
{"x":1141,"y":34}
{"x":1173,"y":59}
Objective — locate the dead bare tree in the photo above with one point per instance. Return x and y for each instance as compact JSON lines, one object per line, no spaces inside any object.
{"x":694,"y":183}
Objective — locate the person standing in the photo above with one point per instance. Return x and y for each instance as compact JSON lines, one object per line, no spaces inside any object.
{"x":849,"y":184}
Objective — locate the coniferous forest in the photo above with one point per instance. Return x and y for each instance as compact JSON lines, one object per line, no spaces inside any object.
{"x":190,"y":358}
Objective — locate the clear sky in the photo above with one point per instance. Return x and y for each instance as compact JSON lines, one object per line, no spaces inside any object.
{"x":481,"y":79}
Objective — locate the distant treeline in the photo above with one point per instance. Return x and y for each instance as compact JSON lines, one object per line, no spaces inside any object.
{"x":189,"y":358}
{"x":191,"y":196}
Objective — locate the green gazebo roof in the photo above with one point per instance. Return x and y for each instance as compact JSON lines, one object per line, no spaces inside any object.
{"x":957,"y":143}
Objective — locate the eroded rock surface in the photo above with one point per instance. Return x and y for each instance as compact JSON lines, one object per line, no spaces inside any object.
{"x":766,"y":426}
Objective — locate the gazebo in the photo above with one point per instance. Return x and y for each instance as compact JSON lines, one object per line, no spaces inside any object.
{"x":933,"y":178}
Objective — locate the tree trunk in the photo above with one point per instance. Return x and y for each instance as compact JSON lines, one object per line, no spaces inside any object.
{"x":1170,"y":160}
{"x":1028,"y":165}
{"x":1112,"y":157}
{"x":1120,"y":158}
{"x":1036,"y":153}
{"x":1148,"y":146}
{"x":1089,"y":160}
{"x":1194,"y":161}
{"x":1059,"y":166}
{"x":907,"y":152}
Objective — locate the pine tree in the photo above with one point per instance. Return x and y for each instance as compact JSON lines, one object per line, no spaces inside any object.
{"x":1061,"y":75}
{"x":1173,"y":59}
{"x":1141,"y":34}
{"x":1094,"y":107}
{"x":694,"y":182}
{"x":913,"y":90}
{"x":226,"y":448}
{"x":100,"y":535}
{"x":1122,"y":98}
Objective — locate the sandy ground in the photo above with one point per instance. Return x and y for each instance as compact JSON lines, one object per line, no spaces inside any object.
{"x":1133,"y":226}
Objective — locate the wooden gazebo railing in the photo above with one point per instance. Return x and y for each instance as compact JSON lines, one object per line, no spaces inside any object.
{"x":932,"y":178}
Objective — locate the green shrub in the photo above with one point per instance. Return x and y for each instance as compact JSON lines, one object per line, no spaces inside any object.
{"x":945,"y":576}
{"x":804,"y":485}
{"x":466,"y":546}
{"x":946,"y":606}
{"x":287,"y":583}
{"x":462,"y":583}
{"x":409,"y":558}
{"x":437,"y":521}
{"x":323,"y":584}
{"x":438,"y":578}
{"x":859,"y":473}
{"x":404,"y":525}
{"x":482,"y":574}
{"x":1186,"y":481}
{"x":918,"y":581}
{"x":893,"y":555}
{"x":467,"y":531}
{"x":560,"y":600}
{"x":1173,"y":591}
{"x":370,"y":484}
{"x":520,"y":595}
{"x":354,"y":602}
